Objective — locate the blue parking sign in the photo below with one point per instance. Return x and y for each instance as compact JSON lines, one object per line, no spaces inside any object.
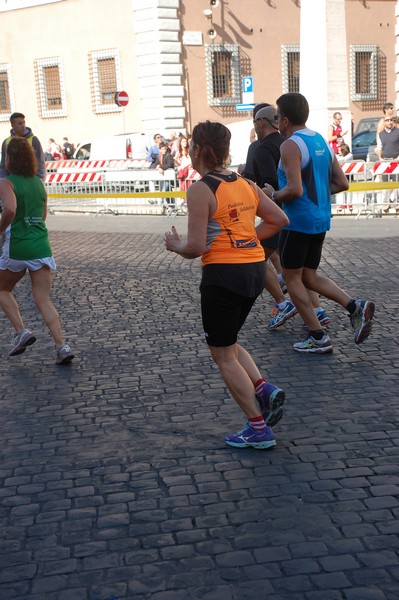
{"x":247,"y":84}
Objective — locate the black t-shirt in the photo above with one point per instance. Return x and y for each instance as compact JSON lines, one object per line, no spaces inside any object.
{"x":265,"y":159}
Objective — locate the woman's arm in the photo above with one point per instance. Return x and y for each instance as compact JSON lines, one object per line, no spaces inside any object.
{"x":9,"y":204}
{"x":45,"y":205}
{"x":273,"y":218}
{"x":201,"y":204}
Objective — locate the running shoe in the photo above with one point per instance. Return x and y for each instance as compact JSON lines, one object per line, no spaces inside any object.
{"x":282,"y":315}
{"x":310,"y":345}
{"x":361,"y":320}
{"x":323,"y":317}
{"x":276,"y":417}
{"x":249,"y":438}
{"x":21,"y":341}
{"x":270,"y":400}
{"x":63,"y":355}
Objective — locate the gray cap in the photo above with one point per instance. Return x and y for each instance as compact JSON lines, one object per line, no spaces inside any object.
{"x":269,"y":113}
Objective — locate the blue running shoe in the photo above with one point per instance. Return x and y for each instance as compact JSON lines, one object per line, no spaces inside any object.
{"x":323,"y":317}
{"x":249,"y":438}
{"x":271,"y":399}
{"x":282,"y":315}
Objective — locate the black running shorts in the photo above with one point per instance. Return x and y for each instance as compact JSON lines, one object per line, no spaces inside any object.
{"x":271,"y":242}
{"x":223,"y":315}
{"x":298,"y":250}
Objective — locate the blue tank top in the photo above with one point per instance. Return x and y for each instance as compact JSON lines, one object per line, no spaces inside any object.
{"x":311,"y":213}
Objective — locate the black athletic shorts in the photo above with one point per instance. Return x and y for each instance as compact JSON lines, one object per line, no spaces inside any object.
{"x":223,"y":314}
{"x":271,"y":242}
{"x":298,"y":250}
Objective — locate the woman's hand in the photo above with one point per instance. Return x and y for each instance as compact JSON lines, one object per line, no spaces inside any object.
{"x":172,"y":240}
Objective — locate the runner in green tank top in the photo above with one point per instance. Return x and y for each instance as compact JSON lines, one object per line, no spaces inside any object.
{"x":26,"y":246}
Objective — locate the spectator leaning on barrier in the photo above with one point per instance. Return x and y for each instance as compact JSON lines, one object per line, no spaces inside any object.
{"x":19,"y":129}
{"x":153,"y":151}
{"x":388,"y":140}
{"x":162,"y":162}
{"x":389,"y":111}
{"x":388,"y":149}
{"x":344,"y":154}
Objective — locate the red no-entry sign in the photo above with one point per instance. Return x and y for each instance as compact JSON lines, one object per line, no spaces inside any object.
{"x":121,"y":98}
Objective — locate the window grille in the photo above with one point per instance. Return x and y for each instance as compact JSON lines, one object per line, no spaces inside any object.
{"x":290,"y":57}
{"x":223,"y":74}
{"x":51,"y":83}
{"x":106,"y":80}
{"x":52,"y":86}
{"x":364,"y":73}
{"x":5,"y":96}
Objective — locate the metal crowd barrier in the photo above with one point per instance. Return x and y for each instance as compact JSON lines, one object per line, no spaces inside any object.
{"x":130,"y":187}
{"x":372,"y":188}
{"x":143,"y":192}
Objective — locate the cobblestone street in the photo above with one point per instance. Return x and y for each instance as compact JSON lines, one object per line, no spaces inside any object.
{"x":115,"y":479}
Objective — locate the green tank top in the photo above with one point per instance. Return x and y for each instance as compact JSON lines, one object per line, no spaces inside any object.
{"x":29,"y":235}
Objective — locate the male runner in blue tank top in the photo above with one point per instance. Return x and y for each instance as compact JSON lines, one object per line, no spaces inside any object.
{"x":308,"y":174}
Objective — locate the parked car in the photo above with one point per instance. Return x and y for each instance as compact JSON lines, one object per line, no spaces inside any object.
{"x":363,"y":146}
{"x":367,"y":124}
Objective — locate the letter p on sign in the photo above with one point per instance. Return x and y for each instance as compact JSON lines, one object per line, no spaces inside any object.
{"x":247,"y":84}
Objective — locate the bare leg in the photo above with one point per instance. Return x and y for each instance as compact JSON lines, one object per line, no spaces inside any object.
{"x":247,"y":362}
{"x":272,"y":285}
{"x":41,"y":286}
{"x":8,"y":280}
{"x":298,"y":280}
{"x":236,"y":377}
{"x":300,"y":297}
{"x":314,"y":298}
{"x":325,"y":287}
{"x":275,"y":260}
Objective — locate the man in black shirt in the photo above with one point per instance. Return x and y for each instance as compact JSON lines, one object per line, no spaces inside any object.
{"x":265,"y":159}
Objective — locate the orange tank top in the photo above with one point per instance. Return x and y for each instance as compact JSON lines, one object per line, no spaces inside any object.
{"x":231,"y":235}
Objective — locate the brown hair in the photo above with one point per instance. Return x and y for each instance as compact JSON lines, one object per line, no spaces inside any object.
{"x":21,"y":157}
{"x":180,"y":148}
{"x":214,"y":141}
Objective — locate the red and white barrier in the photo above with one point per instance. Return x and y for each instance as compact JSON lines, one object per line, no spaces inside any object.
{"x":386,"y":168}
{"x":87,"y":177}
{"x":352,"y":168}
{"x":97,"y":165}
